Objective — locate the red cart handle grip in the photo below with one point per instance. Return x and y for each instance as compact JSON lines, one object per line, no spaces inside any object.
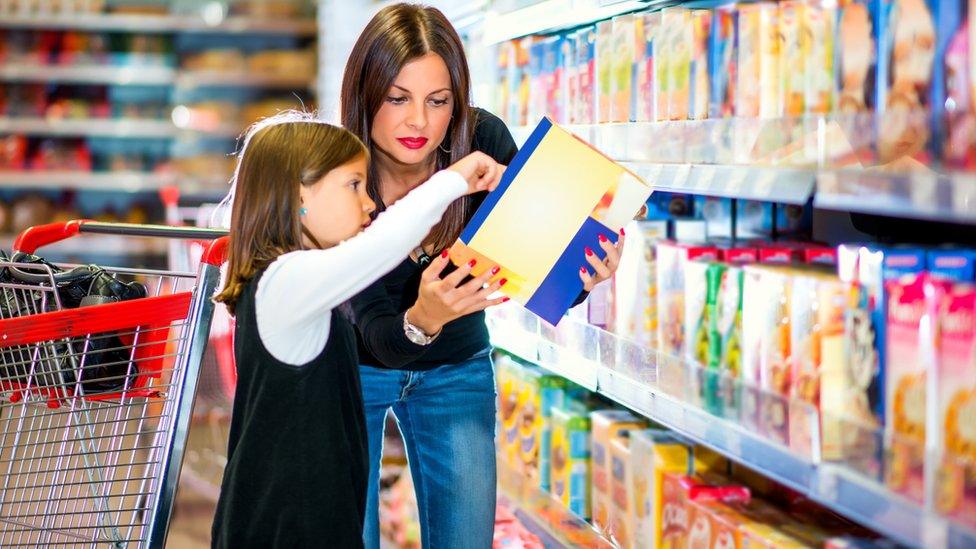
{"x":216,"y":252}
{"x":41,"y":235}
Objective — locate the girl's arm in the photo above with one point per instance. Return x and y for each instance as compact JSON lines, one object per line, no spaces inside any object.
{"x":300,"y":288}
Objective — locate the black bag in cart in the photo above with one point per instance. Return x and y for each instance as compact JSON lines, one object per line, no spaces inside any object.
{"x":101,"y":363}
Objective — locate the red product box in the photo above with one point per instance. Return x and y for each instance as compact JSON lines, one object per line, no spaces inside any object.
{"x":777,"y":253}
{"x":738,"y":255}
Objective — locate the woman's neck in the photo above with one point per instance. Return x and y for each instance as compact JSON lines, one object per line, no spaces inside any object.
{"x":397,"y":179}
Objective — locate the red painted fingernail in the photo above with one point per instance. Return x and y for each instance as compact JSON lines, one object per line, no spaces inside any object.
{"x":589,"y":252}
{"x":472,"y":263}
{"x":622,"y":233}
{"x":603,"y":238}
{"x":494,"y":270}
{"x":504,"y":299}
{"x":583,"y":270}
{"x":444,"y":254}
{"x":502,"y":282}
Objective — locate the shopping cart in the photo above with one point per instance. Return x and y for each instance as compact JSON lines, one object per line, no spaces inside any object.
{"x":96,"y":461}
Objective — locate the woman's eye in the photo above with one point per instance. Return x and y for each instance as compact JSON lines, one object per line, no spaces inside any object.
{"x":438,"y":102}
{"x":396,"y":100}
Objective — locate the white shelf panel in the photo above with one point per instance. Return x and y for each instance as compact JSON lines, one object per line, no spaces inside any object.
{"x":550,"y":16}
{"x":160,"y":24}
{"x":114,"y":181}
{"x":88,"y":74}
{"x":84,"y":246}
{"x":111,"y":127}
{"x":635,"y":377}
{"x":199,"y":79}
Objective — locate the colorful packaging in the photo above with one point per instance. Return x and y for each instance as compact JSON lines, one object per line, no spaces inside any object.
{"x":700,"y":86}
{"x":606,"y":425}
{"x":678,"y":50}
{"x":712,"y":386}
{"x":621,"y":520}
{"x":506,"y":74}
{"x":552,"y":70}
{"x":857,"y":56}
{"x":664,"y":44}
{"x":646,"y":87}
{"x":628,"y":31}
{"x":957,"y":135}
{"x":604,"y":70}
{"x":794,"y":53}
{"x":521,"y":83}
{"x":718,"y":215}
{"x":569,"y":90}
{"x":586,"y":73}
{"x":680,"y":492}
{"x":509,"y":378}
{"x":777,"y":254}
{"x":714,"y":525}
{"x":696,"y":313}
{"x":905,"y":385}
{"x":672,"y":261}
{"x":954,"y":264}
{"x":953,"y":396}
{"x":725,"y":343}
{"x":570,"y":461}
{"x":758,"y":83}
{"x":542,"y":391}
{"x":635,"y":284}
{"x":722,"y":61}
{"x":820,"y":255}
{"x":949,"y":76}
{"x":820,"y":61}
{"x":538,"y":82}
{"x":653,"y":452}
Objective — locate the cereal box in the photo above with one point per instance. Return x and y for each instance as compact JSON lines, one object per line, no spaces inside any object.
{"x":714,"y":525}
{"x":521,"y":83}
{"x":857,"y":53}
{"x":948,"y":71}
{"x":905,"y":385}
{"x":646,"y":98}
{"x":794,"y":52}
{"x":570,"y":460}
{"x":606,"y":425}
{"x":541,"y":391}
{"x":953,"y":395}
{"x":509,"y":392}
{"x":587,"y":76}
{"x":679,"y":493}
{"x":635,"y":284}
{"x":677,"y":51}
{"x":506,"y":73}
{"x":569,"y":79}
{"x":696,"y":313}
{"x":672,"y":261}
{"x":621,"y":519}
{"x":725,"y":341}
{"x":758,"y":82}
{"x":700,"y":87}
{"x":954,"y":264}
{"x":663,"y":47}
{"x":552,"y":70}
{"x":604,"y":70}
{"x":819,"y":62}
{"x":712,"y":385}
{"x":653,"y":452}
{"x":957,"y":135}
{"x":722,"y":58}
{"x":628,"y":30}
{"x":538,"y":82}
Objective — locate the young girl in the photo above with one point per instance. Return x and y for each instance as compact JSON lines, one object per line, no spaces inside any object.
{"x":296,"y":471}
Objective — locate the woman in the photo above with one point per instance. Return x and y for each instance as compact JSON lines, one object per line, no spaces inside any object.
{"x":424,"y":343}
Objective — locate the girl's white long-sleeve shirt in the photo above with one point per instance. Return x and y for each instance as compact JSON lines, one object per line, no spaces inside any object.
{"x":299,"y":289}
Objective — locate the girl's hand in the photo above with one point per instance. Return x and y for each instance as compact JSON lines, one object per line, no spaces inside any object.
{"x":602,"y":270}
{"x":480,"y":170}
{"x":441,"y":300}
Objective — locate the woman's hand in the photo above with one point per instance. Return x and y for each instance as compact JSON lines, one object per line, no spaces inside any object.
{"x":601,"y":270}
{"x":441,"y":300}
{"x":480,"y":170}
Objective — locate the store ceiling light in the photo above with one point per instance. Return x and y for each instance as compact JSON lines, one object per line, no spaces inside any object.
{"x":213,"y":13}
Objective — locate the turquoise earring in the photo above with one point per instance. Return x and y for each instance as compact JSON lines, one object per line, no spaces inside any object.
{"x":302,"y":211}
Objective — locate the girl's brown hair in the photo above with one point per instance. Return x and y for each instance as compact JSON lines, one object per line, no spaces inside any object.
{"x":397,"y":35}
{"x":279,"y":154}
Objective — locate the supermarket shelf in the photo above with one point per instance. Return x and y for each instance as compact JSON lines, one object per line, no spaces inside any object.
{"x":84,"y":246}
{"x":782,"y":185}
{"x":113,"y":127}
{"x":200,"y":79}
{"x":845,"y":491}
{"x":89,"y":74}
{"x":161,"y":24}
{"x":550,"y":16}
{"x":130,"y":181}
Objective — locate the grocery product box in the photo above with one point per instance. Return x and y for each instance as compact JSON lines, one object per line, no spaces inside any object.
{"x":713,"y":384}
{"x":664,"y":44}
{"x":635,"y":284}
{"x":725,"y":340}
{"x":794,"y":48}
{"x":628,"y":35}
{"x":679,"y":35}
{"x":604,"y":70}
{"x":952,"y":263}
{"x":545,"y":391}
{"x":653,"y":452}
{"x":857,"y":42}
{"x":570,"y":460}
{"x":758,"y":81}
{"x":952,"y":399}
{"x":906,"y":367}
{"x":696,"y":314}
{"x":569,"y":80}
{"x":606,"y":426}
{"x":679,"y":494}
{"x":585,"y":108}
{"x":955,"y":135}
{"x":700,"y":83}
{"x":538,"y":81}
{"x":722,"y":59}
{"x":509,"y":380}
{"x":672,"y":261}
{"x":621,"y":519}
{"x":820,"y":58}
{"x":714,"y":525}
{"x":646,"y":97}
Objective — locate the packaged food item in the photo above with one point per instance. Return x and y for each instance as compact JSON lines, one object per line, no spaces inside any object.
{"x":794,"y":50}
{"x":780,"y":254}
{"x":604,"y":70}
{"x":857,"y":56}
{"x":953,"y":397}
{"x":647,"y":88}
{"x":521,"y":83}
{"x":820,"y":255}
{"x":626,"y":30}
{"x":542,"y":391}
{"x":13,"y":152}
{"x":723,"y":57}
{"x":725,"y":338}
{"x":679,"y":50}
{"x":953,"y":263}
{"x":673,"y":259}
{"x":509,"y":380}
{"x":696,"y":313}
{"x":606,"y":425}
{"x":635,"y":284}
{"x":566,"y":80}
{"x":570,"y":461}
{"x":621,"y":518}
{"x":505,"y":69}
{"x":653,"y":452}
{"x":679,"y":493}
{"x":587,"y":74}
{"x":957,"y":133}
{"x":758,"y":82}
{"x":714,"y":384}
{"x":699,"y":85}
{"x":905,"y":385}
{"x":714,"y":525}
{"x":664,"y":45}
{"x":820,"y":58}
{"x":538,"y":82}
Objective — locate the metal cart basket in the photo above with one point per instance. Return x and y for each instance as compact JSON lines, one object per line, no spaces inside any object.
{"x":95,"y":401}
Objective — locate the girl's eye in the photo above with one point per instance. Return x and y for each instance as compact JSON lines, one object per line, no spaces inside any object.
{"x":355,"y":185}
{"x":396,"y":100}
{"x":438,"y":102}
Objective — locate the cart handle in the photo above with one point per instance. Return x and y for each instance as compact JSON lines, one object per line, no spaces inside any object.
{"x":41,"y":235}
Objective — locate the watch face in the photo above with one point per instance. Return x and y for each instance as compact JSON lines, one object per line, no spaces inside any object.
{"x":417,"y":338}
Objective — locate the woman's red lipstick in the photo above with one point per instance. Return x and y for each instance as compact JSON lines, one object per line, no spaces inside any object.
{"x":413,"y":143}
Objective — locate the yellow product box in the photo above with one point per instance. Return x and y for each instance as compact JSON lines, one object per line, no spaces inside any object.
{"x":714,"y":525}
{"x":821,"y":74}
{"x":680,"y":493}
{"x":621,"y":518}
{"x":700,"y":83}
{"x":541,"y":391}
{"x":697,"y":322}
{"x":606,"y":425}
{"x":758,"y":93}
{"x":509,"y":379}
{"x":628,"y":34}
{"x":681,"y":36}
{"x":652,"y":453}
{"x":570,"y":461}
{"x":604,"y":70}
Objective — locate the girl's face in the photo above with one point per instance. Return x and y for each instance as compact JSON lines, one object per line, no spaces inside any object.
{"x":413,"y":120}
{"x":337,"y":206}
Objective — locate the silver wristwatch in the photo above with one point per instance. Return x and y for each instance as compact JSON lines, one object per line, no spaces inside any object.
{"x":415,"y":334}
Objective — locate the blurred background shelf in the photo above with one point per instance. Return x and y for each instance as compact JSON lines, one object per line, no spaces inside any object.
{"x":211,"y":22}
{"x":88,"y":74}
{"x":551,"y":15}
{"x":112,"y":181}
{"x":139,"y":128}
{"x":200,"y":79}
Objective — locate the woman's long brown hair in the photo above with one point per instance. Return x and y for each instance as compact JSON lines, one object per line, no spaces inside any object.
{"x":279,"y":155}
{"x":397,"y":35}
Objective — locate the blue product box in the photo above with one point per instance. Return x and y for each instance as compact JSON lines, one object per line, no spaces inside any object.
{"x":956,"y":264}
{"x":722,"y":56}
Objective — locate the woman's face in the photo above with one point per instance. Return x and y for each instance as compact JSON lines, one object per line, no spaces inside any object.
{"x":413,"y":120}
{"x":337,"y":206}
